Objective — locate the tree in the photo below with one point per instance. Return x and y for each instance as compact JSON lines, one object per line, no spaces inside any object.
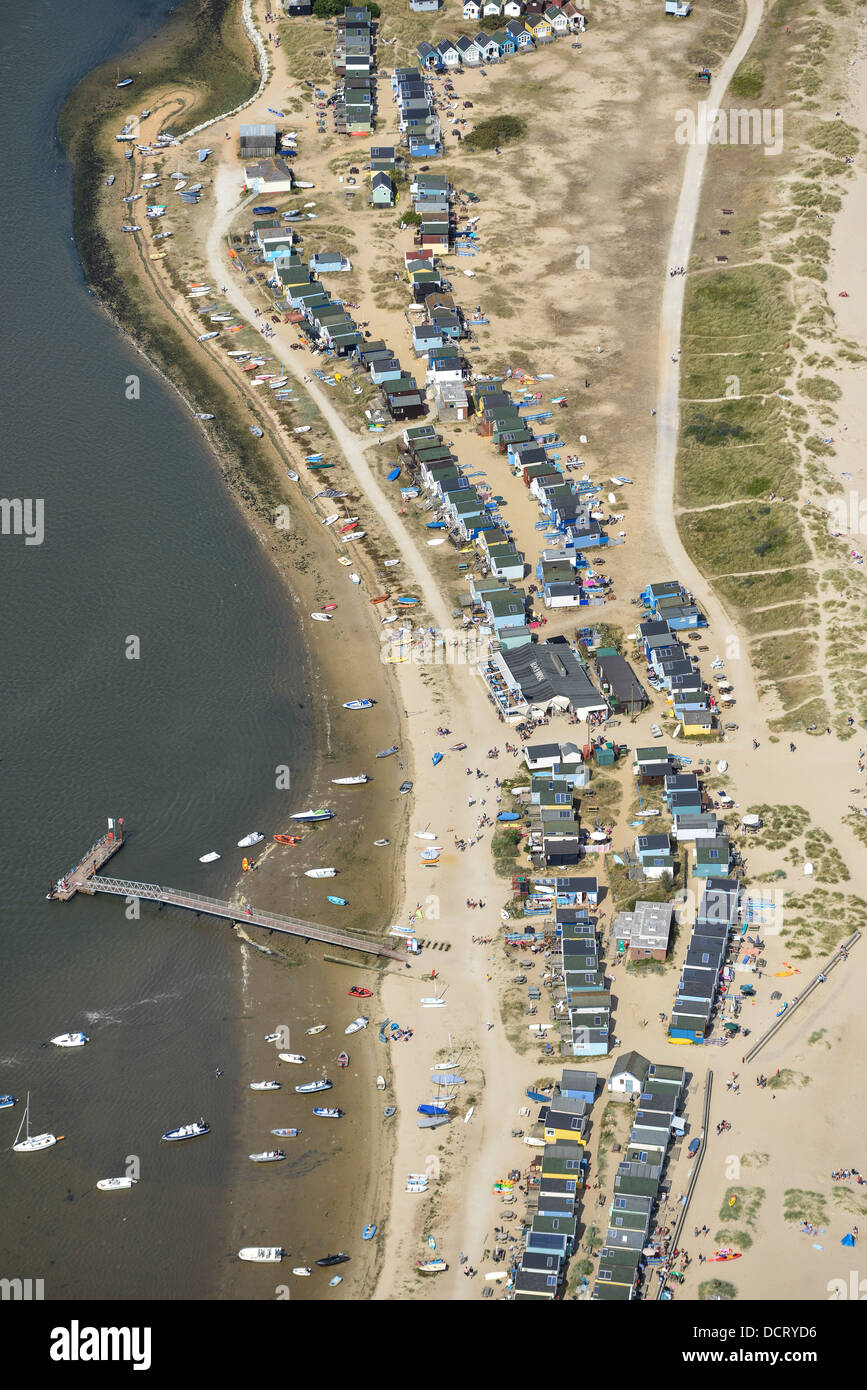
{"x":410,"y":219}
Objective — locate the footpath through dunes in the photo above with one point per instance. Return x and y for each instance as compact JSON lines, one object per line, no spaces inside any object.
{"x":667,"y":410}
{"x":352,"y":446}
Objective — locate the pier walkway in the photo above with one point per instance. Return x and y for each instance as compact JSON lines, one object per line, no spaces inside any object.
{"x":83,"y":878}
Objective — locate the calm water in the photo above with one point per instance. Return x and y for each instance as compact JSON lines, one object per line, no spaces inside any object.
{"x":141,"y":540}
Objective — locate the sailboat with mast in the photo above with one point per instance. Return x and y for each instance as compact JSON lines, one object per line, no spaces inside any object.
{"x":31,"y":1142}
{"x":448,"y":1062}
{"x":435,"y":1000}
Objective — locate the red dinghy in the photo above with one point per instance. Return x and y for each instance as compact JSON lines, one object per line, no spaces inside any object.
{"x":343,"y":1059}
{"x":351,"y":527}
{"x":328,"y":607}
{"x":287,"y":839}
{"x":358,"y":993}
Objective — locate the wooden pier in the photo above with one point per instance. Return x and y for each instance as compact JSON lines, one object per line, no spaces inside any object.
{"x":77,"y":879}
{"x":85,"y":879}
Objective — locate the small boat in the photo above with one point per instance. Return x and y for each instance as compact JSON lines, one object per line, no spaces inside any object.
{"x":395,"y":473}
{"x":781,"y":1011}
{"x":431,"y":1266}
{"x":424,"y":834}
{"x":254,"y":429}
{"x":272,"y":1037}
{"x":303,"y":429}
{"x":357,"y":1024}
{"x":726,"y":1253}
{"x":383,"y":598}
{"x":263,"y":211}
{"x":325,"y":1113}
{"x":513,"y":815}
{"x":292,"y":475}
{"x":309,"y":1086}
{"x":286,"y":1133}
{"x":287,"y":839}
{"x":6,"y":1102}
{"x":328,"y":607}
{"x":203,"y":415}
{"x":389,"y":1111}
{"x":356,"y":579}
{"x":441,"y":541}
{"x":338,"y":1279}
{"x":380,"y":1083}
{"x":317,"y":1028}
{"x":70,"y":1040}
{"x":204,"y":337}
{"x":432,"y":1110}
{"x":350,"y":781}
{"x":330,"y":520}
{"x":209,"y":858}
{"x":202,"y":155}
{"x":270,"y":1156}
{"x":432,"y":853}
{"x":391,"y":562}
{"x":432,"y":1121}
{"x":406,"y":602}
{"x":321,"y":814}
{"x":338,"y":902}
{"x":416,"y":1187}
{"x":404,"y":788}
{"x":369,"y":1231}
{"x":329,"y":1260}
{"x":357,"y":704}
{"x":191,"y":1131}
{"x":294,"y":1057}
{"x":264,"y":1085}
{"x":321,"y":617}
{"x":252,"y":839}
{"x":115,"y":1184}
{"x":380,"y":844}
{"x":303,"y":1271}
{"x":437,"y":758}
{"x":449,"y":1079}
{"x":245,"y":864}
{"x":320,"y":873}
{"x":262,"y":1254}
{"x":359,"y":992}
{"x":110,"y":180}
{"x":343,"y":1059}
{"x":31,"y":1142}
{"x":387,"y":752}
{"x":124,"y":82}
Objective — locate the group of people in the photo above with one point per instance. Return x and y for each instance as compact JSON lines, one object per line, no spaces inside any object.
{"x":843,"y":1175}
{"x":676,"y":270}
{"x":471,"y":903}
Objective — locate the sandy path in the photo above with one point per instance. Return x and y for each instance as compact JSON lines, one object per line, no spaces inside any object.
{"x":225,"y":207}
{"x":667,"y":412}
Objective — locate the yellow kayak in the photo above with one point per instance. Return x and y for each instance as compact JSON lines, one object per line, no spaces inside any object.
{"x":158,"y":255}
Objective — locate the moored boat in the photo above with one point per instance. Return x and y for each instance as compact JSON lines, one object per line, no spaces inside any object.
{"x":387,"y":752}
{"x":295,"y":1057}
{"x":308,"y":1086}
{"x":70,"y":1040}
{"x":359,"y":992}
{"x":262,"y":1254}
{"x":357,"y":1024}
{"x":115,"y":1184}
{"x":6,"y":1102}
{"x":327,"y":1113}
{"x":343,"y":1059}
{"x":269,"y":1156}
{"x":369,"y":1231}
{"x":264,"y":1085}
{"x":329,"y":1260}
{"x":338,"y":902}
{"x":322,"y":813}
{"x":191,"y":1131}
{"x":351,"y":781}
{"x":317,"y":1028}
{"x":431,"y":1266}
{"x":320,"y":873}
{"x":286,"y":1133}
{"x":252,"y":839}
{"x":357,"y":704}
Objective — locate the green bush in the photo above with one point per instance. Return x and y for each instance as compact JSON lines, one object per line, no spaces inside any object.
{"x":496,"y":131}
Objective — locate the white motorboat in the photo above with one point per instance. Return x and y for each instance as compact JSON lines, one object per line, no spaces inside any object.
{"x":262,"y":1254}
{"x":320,"y":873}
{"x":205,"y":337}
{"x":424,"y":834}
{"x":356,"y":578}
{"x":115,"y":1184}
{"x":416,"y":1187}
{"x":351,"y":781}
{"x":191,"y":1131}
{"x":357,"y":1024}
{"x":252,"y":839}
{"x":391,"y":562}
{"x":264,"y":1085}
{"x":309,"y":1086}
{"x":70,"y":1040}
{"x":291,"y":1057}
{"x":317,"y":1028}
{"x":380,"y":844}
{"x":418,"y":1177}
{"x":330,"y":520}
{"x":31,"y":1142}
{"x":433,"y":852}
{"x":303,"y":1271}
{"x":321,"y":617}
{"x":322,"y":813}
{"x":209,"y":858}
{"x":291,"y":475}
{"x":380,"y":1083}
{"x":271,"y":1156}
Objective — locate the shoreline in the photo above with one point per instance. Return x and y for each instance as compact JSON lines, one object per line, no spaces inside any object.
{"x":261,"y":981}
